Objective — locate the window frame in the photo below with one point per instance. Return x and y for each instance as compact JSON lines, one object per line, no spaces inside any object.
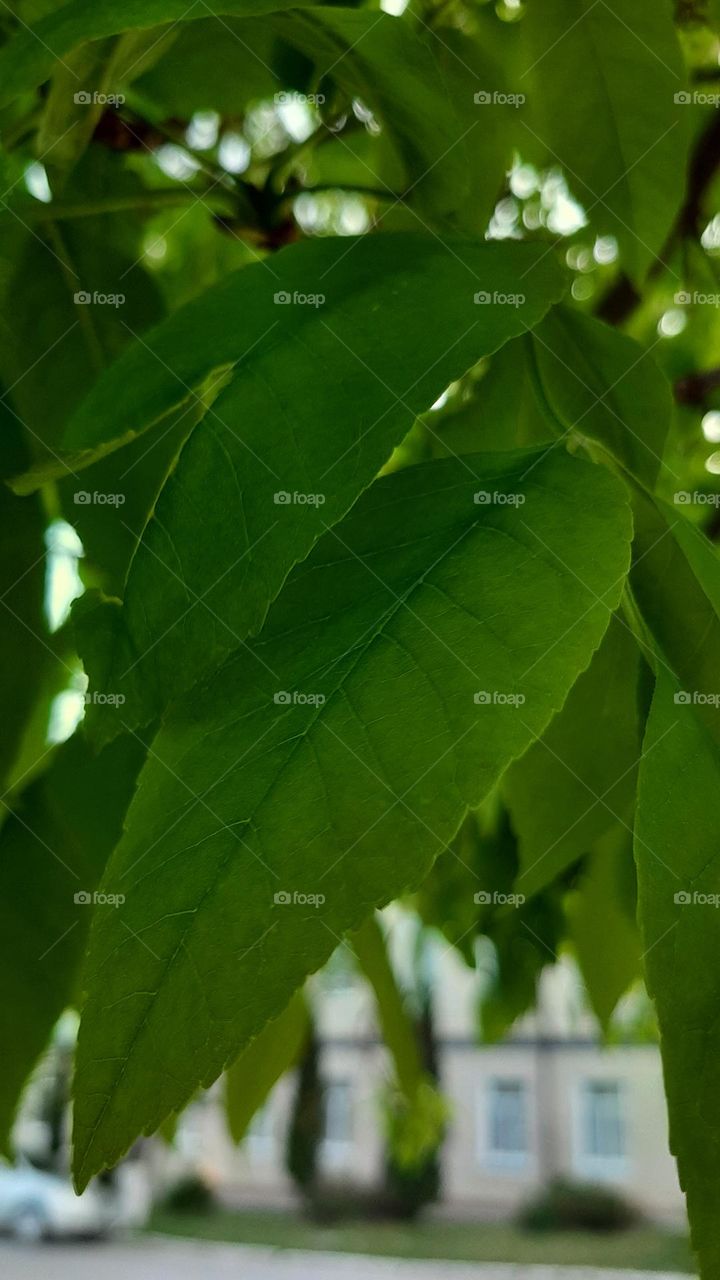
{"x":335,"y":1151}
{"x":596,"y":1165}
{"x":495,"y":1157}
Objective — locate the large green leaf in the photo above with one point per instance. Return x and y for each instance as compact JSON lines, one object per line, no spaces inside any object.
{"x":29,"y":59}
{"x":676,"y":850}
{"x":53,"y":848}
{"x":379,"y":703}
{"x":579,"y":779}
{"x":602,"y":79}
{"x":318,"y":398}
{"x":274,"y":1051}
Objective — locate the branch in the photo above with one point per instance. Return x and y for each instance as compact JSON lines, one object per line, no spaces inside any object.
{"x":694,"y":388}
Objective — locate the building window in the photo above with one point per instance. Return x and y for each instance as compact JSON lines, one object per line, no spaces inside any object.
{"x":503,"y":1123}
{"x":337,"y":1151}
{"x":337,"y":1112}
{"x":603,"y":1134}
{"x":507,"y":1117}
{"x":601,"y":1128}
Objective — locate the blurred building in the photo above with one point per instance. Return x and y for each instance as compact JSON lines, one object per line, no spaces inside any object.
{"x":549,"y":1101}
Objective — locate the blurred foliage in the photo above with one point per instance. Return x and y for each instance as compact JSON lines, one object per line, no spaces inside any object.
{"x":576,"y":1206}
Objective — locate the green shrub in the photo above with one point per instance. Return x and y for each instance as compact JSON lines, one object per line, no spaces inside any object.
{"x":189,"y":1194}
{"x":567,"y":1206}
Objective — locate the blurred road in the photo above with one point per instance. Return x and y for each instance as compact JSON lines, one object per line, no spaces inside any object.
{"x":156,"y":1258}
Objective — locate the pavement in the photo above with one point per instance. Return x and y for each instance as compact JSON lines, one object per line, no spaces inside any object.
{"x":158,"y":1258}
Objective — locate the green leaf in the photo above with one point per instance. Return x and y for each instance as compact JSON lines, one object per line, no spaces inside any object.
{"x":400,"y":274}
{"x":526,"y":938}
{"x":133,"y":477}
{"x":222,"y":66}
{"x":415,"y":1111}
{"x":414,"y":1130}
{"x":67,"y":124}
{"x":499,"y":409}
{"x":676,"y":850}
{"x":599,"y":383}
{"x":78,"y":91}
{"x":52,"y":347}
{"x":27,"y":652}
{"x":53,"y":846}
{"x":675,"y":581}
{"x":370,"y":714}
{"x":579,"y":779}
{"x":30,"y":57}
{"x":601,"y":80}
{"x":397,"y":1027}
{"x":317,"y":400}
{"x":274,"y":1051}
{"x":602,"y":924}
{"x":470,"y":880}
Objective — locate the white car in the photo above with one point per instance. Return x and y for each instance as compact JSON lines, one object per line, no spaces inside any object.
{"x":35,"y":1205}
